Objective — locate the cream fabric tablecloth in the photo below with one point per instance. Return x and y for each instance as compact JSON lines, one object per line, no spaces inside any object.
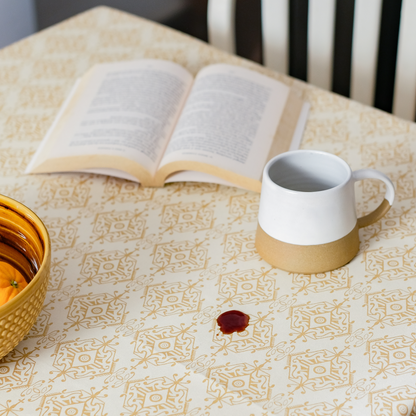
{"x":139,"y":275}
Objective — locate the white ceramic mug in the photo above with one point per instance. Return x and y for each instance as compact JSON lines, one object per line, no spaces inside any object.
{"x":307,"y":220}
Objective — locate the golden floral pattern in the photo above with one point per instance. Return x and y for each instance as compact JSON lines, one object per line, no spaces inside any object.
{"x":167,"y":345}
{"x":187,"y":217}
{"x":84,"y":358}
{"x":239,"y":383}
{"x":156,"y":396}
{"x":139,"y":275}
{"x":119,"y":226}
{"x":78,"y":402}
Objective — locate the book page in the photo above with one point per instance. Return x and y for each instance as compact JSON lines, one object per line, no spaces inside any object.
{"x":295,"y":116}
{"x":195,"y":176}
{"x":119,"y":111}
{"x":229,"y":121}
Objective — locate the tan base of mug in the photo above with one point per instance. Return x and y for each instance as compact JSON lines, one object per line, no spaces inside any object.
{"x":307,"y":259}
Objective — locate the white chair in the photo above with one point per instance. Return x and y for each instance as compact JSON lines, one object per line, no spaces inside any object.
{"x":321,"y":22}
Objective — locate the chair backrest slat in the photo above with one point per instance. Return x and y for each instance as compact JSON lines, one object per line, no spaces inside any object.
{"x":320,"y":45}
{"x":321,"y":28}
{"x":275,"y":33}
{"x":405,"y":81}
{"x":365,"y":41}
{"x":221,"y":26}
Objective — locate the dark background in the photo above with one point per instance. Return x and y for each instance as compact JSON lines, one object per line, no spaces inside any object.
{"x":189,"y":16}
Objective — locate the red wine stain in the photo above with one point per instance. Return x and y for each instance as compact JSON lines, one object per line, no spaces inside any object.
{"x":233,"y":321}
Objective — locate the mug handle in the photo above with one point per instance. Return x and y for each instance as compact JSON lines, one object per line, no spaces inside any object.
{"x":382,"y":209}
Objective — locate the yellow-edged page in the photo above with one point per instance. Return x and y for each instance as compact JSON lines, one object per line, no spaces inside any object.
{"x":227,"y":127}
{"x":118,"y":119}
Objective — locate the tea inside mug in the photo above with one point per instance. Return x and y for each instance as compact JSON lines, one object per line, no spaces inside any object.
{"x":309,"y":172}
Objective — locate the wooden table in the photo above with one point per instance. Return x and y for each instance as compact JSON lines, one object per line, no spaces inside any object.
{"x":140,"y":274}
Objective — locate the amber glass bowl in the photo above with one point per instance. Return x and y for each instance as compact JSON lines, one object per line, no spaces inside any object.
{"x":25,"y":244}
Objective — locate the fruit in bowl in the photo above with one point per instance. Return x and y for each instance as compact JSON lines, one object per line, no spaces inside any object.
{"x":12,"y":282}
{"x":25,"y":257}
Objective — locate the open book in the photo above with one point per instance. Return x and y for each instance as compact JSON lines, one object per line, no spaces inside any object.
{"x":150,"y":121}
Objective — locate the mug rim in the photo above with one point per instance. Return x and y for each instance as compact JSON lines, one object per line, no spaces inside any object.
{"x":40,"y":227}
{"x":266,"y":174}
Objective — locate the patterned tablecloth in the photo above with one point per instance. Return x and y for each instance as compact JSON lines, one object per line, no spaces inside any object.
{"x":140,"y":274}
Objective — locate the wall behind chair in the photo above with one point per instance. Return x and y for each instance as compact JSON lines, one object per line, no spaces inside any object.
{"x":53,"y":11}
{"x":17,"y":20}
{"x":21,"y":18}
{"x":188,"y":16}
